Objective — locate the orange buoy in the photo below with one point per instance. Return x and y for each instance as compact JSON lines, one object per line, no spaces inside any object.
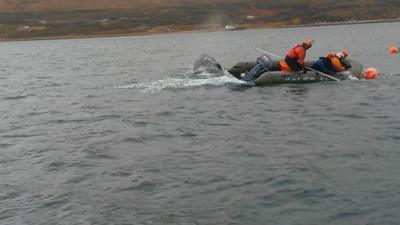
{"x":371,"y":73}
{"x":393,"y":50}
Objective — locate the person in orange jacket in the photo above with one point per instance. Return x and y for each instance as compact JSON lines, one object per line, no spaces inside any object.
{"x":294,"y":60}
{"x":332,"y":63}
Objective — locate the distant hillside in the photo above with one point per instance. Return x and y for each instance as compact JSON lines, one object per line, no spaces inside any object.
{"x":20,"y":19}
{"x":63,"y":5}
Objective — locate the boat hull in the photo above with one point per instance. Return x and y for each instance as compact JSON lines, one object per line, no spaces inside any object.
{"x":279,"y":77}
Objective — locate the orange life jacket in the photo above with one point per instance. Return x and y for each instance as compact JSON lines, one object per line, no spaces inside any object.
{"x":297,"y":52}
{"x":284,"y":66}
{"x":335,"y":62}
{"x":295,"y":57}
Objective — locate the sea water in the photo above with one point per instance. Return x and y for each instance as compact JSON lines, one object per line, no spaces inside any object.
{"x":119,"y":131}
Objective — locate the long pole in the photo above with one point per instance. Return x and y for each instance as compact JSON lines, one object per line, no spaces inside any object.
{"x":309,"y":68}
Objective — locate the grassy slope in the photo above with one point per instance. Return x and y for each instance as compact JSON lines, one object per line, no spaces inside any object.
{"x":48,"y":18}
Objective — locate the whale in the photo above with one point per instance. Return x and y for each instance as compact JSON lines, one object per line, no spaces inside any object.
{"x":207,"y":64}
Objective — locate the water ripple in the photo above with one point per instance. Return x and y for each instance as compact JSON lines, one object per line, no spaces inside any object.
{"x":96,"y":131}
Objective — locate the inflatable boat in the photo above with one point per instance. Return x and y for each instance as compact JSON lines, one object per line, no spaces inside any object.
{"x":279,"y":77}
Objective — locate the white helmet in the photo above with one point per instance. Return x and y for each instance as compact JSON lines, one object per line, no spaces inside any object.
{"x":342,"y":54}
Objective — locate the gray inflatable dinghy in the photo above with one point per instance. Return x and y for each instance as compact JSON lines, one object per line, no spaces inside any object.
{"x":279,"y":77}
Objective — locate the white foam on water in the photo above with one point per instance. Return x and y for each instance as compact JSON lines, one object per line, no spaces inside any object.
{"x":182,"y":83}
{"x":352,"y":77}
{"x":201,"y":74}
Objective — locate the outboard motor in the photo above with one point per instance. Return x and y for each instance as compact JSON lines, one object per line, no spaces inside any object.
{"x":264,"y":64}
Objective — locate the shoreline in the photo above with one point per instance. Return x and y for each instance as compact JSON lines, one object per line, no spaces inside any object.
{"x":346,"y":23}
{"x":249,"y":27}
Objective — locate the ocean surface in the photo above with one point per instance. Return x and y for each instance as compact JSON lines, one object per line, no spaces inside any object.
{"x":118,"y":131}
